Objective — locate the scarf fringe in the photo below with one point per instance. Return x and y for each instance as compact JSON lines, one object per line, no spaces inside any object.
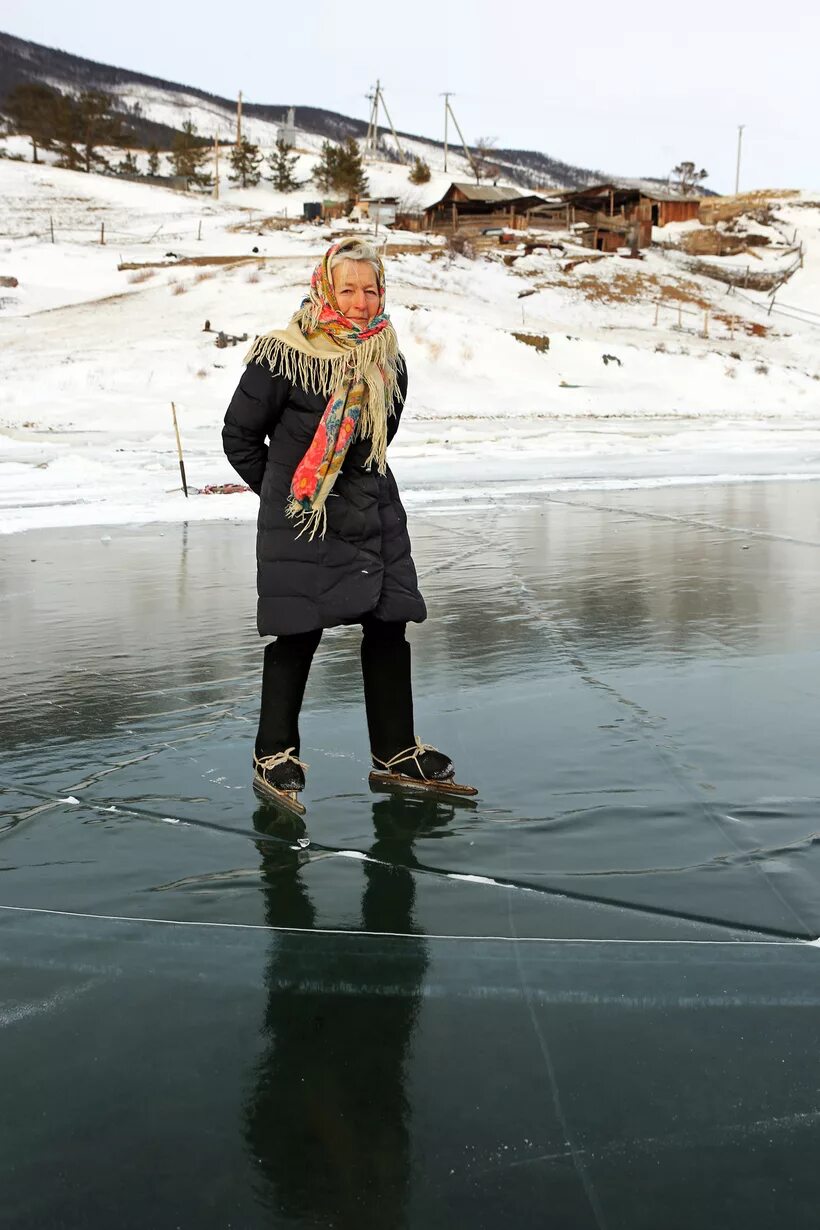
{"x":312,"y":523}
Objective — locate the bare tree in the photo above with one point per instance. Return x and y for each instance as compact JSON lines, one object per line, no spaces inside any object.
{"x":484,"y":165}
{"x":686,"y":179}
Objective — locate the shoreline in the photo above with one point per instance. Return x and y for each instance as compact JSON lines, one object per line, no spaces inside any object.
{"x":417,"y":498}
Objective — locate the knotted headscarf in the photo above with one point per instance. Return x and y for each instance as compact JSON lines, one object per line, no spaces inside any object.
{"x":355,"y":367}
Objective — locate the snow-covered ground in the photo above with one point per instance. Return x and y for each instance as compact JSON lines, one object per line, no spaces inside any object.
{"x":629,"y":390}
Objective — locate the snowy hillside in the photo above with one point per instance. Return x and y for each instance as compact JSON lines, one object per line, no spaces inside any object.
{"x":149,"y":101}
{"x":530,"y":370}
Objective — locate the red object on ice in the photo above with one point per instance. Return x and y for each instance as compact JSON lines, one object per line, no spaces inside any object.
{"x":223,"y":489}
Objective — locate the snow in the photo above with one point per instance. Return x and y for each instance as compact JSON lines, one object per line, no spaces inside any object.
{"x":92,"y":355}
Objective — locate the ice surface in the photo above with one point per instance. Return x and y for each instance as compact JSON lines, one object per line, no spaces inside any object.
{"x":394,"y":1037}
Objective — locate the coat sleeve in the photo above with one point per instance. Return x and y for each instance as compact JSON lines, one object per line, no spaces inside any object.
{"x":255,"y":409}
{"x":398,"y":405}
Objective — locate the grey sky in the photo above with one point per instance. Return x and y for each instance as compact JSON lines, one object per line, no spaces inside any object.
{"x":627,"y":89}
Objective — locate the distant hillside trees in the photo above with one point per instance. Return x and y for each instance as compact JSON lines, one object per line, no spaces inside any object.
{"x":189,"y":153}
{"x":75,"y":127}
{"x":245,"y":161}
{"x":419,"y":172}
{"x":94,"y":125}
{"x":128,"y":166}
{"x":32,"y":110}
{"x":282,"y":164}
{"x":686,"y":179}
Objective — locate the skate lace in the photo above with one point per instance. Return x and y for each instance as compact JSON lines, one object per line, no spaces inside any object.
{"x":409,"y":753}
{"x":276,"y":758}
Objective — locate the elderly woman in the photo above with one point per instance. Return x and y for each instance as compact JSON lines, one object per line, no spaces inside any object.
{"x":308,"y":429}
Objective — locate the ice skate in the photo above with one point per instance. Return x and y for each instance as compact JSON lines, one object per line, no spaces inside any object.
{"x":420,"y":769}
{"x":280,"y":777}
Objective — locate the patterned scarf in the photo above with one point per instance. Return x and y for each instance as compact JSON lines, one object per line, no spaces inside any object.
{"x":355,"y":368}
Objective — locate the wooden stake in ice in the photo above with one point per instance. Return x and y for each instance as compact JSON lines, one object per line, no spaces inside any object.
{"x":179,"y":451}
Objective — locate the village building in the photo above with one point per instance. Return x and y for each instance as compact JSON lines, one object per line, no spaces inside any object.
{"x":612,"y":215}
{"x":381,"y":210}
{"x":477,"y":207}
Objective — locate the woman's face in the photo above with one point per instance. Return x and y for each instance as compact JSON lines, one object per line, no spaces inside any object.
{"x":356,"y":291}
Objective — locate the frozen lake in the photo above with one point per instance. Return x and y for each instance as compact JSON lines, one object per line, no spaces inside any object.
{"x":613,"y":1025}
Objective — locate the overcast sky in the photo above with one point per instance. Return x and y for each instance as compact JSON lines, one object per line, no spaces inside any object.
{"x":628,"y":89}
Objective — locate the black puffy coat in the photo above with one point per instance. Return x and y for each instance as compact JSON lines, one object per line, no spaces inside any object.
{"x":363,"y":563}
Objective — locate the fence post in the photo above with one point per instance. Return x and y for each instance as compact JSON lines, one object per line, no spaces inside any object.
{"x":102,"y":232}
{"x":51,"y":220}
{"x":732,"y":327}
{"x":680,"y":317}
{"x":657,"y":310}
{"x":706,"y":323}
{"x":199,"y":232}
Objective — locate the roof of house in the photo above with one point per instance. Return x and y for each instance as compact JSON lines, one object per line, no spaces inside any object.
{"x":646,"y":188}
{"x":485,"y":192}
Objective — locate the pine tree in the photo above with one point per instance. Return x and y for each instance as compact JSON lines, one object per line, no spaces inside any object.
{"x":129,"y":165}
{"x":326,"y":169}
{"x":97,"y":126}
{"x":153,"y":160}
{"x":282,"y":163}
{"x":32,"y":109}
{"x":67,"y":133}
{"x":245,"y":160}
{"x":350,"y":178}
{"x":188,"y":153}
{"x":419,"y":172}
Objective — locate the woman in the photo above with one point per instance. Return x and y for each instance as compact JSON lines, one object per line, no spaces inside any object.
{"x":332,"y":546}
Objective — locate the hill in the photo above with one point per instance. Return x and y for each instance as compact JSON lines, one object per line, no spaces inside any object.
{"x":155,"y":110}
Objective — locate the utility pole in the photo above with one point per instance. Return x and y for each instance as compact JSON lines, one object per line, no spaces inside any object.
{"x":740,"y":128}
{"x":446,"y":98}
{"x":239,"y":119}
{"x":216,"y":168}
{"x":371,"y":141}
{"x":467,"y":153}
{"x":390,"y":122}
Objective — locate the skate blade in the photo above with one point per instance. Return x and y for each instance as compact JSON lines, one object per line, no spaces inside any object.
{"x":288,"y":800}
{"x":409,"y":785}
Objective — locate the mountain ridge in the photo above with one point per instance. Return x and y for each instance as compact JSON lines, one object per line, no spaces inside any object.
{"x":23,"y":61}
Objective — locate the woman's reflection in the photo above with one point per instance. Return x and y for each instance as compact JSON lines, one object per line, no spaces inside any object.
{"x":328,"y":1118}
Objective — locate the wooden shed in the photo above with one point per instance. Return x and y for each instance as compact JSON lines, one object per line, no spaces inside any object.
{"x":476,"y":207}
{"x":613,"y":215}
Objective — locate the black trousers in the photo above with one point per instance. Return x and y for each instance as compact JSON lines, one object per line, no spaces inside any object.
{"x":386,"y":674}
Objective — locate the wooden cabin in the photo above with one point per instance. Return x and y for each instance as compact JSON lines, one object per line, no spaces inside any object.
{"x":477,"y":207}
{"x":613,"y":215}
